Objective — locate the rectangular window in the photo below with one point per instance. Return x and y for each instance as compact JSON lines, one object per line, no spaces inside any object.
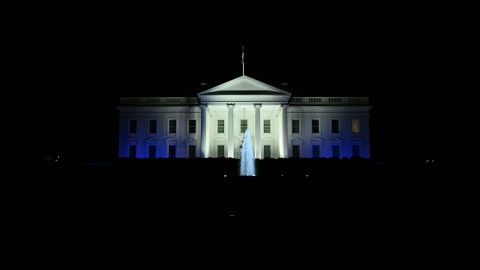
{"x":315,"y":126}
{"x":335,"y":126}
{"x":152,"y":151}
{"x":221,"y":126}
{"x":220,"y":151}
{"x":132,"y":126}
{"x":266,"y":126}
{"x":152,"y":126}
{"x":132,"y":151}
{"x":296,"y":151}
{"x":315,"y":151}
{"x":295,"y":126}
{"x":172,"y":126}
{"x":192,"y":151}
{"x":267,"y":151}
{"x":172,"y":151}
{"x":355,"y":150}
{"x":336,"y":151}
{"x":243,"y":125}
{"x":355,"y":125}
{"x":192,"y":126}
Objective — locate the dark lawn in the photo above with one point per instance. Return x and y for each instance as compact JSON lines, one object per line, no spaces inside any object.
{"x":90,"y":217}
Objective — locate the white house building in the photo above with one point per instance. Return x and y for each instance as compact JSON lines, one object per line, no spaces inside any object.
{"x":212,"y":124}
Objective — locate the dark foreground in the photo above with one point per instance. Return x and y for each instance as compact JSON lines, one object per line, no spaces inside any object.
{"x":129,"y":215}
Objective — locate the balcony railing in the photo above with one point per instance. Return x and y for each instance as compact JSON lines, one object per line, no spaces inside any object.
{"x":158,"y":101}
{"x":146,"y":101}
{"x":329,"y":101}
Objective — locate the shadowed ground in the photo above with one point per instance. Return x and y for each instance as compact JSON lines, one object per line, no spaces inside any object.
{"x":144,"y":212}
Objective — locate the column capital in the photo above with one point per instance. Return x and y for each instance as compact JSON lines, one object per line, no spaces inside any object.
{"x":230,"y":105}
{"x":257,"y":105}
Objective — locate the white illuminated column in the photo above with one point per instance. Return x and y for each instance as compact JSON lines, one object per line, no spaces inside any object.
{"x":230,"y":130}
{"x":283,"y":132}
{"x":204,"y":131}
{"x":258,"y":152}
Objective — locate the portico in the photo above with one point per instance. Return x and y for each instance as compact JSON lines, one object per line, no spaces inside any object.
{"x":239,"y":104}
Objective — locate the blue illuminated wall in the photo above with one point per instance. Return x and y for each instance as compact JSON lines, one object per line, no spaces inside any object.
{"x":325,"y":139}
{"x":161,"y":138}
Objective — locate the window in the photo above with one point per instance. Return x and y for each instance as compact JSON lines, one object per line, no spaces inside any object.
{"x":267,"y":151}
{"x":152,"y":126}
{"x":192,"y":126}
{"x":315,"y":151}
{"x":355,"y":125}
{"x":132,"y":126}
{"x":315,"y":126}
{"x":355,"y":150}
{"x":192,"y":151}
{"x":335,"y":126}
{"x":336,"y":151}
{"x":296,"y":126}
{"x":220,"y":151}
{"x":152,"y":151}
{"x":221,"y":126}
{"x":132,"y":151}
{"x":296,"y":151}
{"x":243,"y":125}
{"x":172,"y":151}
{"x":172,"y":126}
{"x":266,"y":126}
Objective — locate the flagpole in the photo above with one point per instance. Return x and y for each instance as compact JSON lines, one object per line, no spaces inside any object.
{"x":243,"y":60}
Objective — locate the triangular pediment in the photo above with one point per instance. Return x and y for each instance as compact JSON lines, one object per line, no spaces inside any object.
{"x":244,"y":85}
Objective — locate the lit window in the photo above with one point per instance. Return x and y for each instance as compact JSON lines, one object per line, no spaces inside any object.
{"x":295,"y":126}
{"x":266,"y":126}
{"x":355,"y":125}
{"x":243,"y":125}
{"x":152,"y":126}
{"x":335,"y":126}
{"x":220,"y":151}
{"x":220,"y":126}
{"x":172,"y":126}
{"x":192,"y":126}
{"x":132,"y":126}
{"x":315,"y":126}
{"x":267,"y":151}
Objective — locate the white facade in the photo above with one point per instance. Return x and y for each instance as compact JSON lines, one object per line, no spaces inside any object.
{"x":211,"y":124}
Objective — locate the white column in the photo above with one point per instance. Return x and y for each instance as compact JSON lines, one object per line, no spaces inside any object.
{"x":230,"y":153}
{"x":258,"y":152}
{"x":203,"y":131}
{"x":283,"y":132}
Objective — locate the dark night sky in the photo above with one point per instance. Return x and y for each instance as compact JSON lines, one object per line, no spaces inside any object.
{"x":421,"y":74}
